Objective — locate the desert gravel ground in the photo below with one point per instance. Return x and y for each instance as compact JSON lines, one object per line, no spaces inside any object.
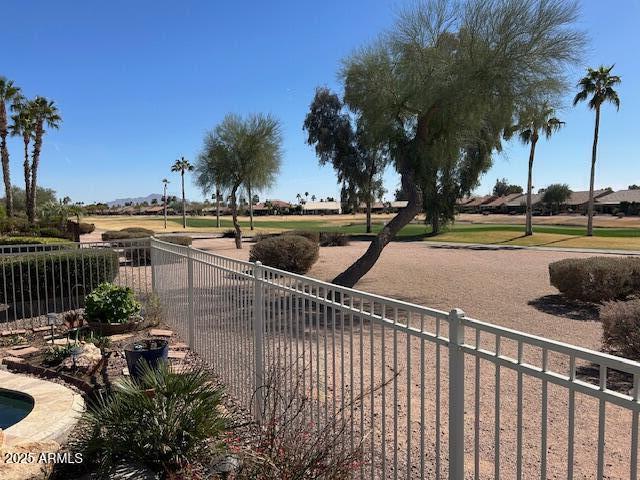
{"x":505,"y":287}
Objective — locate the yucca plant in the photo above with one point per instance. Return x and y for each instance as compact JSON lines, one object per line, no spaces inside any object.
{"x":163,"y":421}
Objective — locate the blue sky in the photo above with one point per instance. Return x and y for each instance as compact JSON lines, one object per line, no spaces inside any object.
{"x":138,"y":84}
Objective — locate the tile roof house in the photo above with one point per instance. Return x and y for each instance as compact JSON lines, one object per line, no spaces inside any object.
{"x":500,"y":203}
{"x":314,"y":208}
{"x":616,"y":198}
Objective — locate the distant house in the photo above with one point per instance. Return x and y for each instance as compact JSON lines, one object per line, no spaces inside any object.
{"x":474,"y":203}
{"x":153,"y":210}
{"x":383,"y":207}
{"x":579,"y":201}
{"x":519,"y":204}
{"x":625,"y":201}
{"x":500,"y":204}
{"x":321,"y":208}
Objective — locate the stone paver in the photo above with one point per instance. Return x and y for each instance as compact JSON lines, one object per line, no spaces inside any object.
{"x":7,"y":333}
{"x":176,"y":355}
{"x":22,"y":352}
{"x":180,"y":346}
{"x":43,"y":329}
{"x":159,"y":332}
{"x":125,"y":371}
{"x":119,"y":337}
{"x":7,"y":360}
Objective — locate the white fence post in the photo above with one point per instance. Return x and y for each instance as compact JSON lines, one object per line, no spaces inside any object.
{"x":456,"y":395}
{"x":190,"y":317}
{"x":258,"y":332}
{"x":152,"y":257}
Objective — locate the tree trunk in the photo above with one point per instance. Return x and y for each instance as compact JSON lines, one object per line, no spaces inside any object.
{"x":165,"y":206}
{"x":27,"y":175}
{"x":184,"y":206}
{"x":594,"y":152}
{"x":369,"y":215}
{"x":234,"y":216}
{"x":529,"y":222}
{"x":435,"y":224}
{"x":217,"y":207}
{"x":360,"y":267}
{"x":250,"y":209}
{"x":37,"y":148}
{"x":4,"y":153}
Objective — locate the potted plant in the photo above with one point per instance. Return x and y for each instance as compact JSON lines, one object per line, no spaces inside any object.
{"x":152,"y":351}
{"x":110,"y":309}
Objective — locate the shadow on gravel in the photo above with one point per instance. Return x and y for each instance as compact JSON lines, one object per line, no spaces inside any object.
{"x":561,"y":306}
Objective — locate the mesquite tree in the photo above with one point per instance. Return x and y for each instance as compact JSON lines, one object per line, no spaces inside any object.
{"x":240,"y":152}
{"x":444,"y":84}
{"x":342,"y":139}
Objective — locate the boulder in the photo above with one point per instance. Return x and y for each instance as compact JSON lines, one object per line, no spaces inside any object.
{"x":86,"y":361}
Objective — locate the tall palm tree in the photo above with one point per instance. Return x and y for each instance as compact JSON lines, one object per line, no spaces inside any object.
{"x":44,"y":112}
{"x":533,"y":121}
{"x":8,"y":94}
{"x":597,"y":86}
{"x":23,"y":125}
{"x":164,"y":201}
{"x":182,"y":165}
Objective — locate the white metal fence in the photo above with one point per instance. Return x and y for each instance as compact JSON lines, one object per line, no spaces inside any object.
{"x":437,"y":394}
{"x":428,"y":394}
{"x":39,"y":279}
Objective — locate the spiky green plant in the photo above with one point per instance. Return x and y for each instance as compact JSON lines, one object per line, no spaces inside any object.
{"x":162,"y":421}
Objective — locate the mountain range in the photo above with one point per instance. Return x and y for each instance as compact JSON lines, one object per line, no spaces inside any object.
{"x":122,"y":201}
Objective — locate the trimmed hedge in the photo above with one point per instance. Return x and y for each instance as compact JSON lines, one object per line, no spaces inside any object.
{"x":55,"y":280}
{"x":333,"y":239}
{"x":309,"y":235}
{"x":86,"y":228}
{"x":183,"y":240}
{"x":127,"y":234}
{"x":292,"y":253}
{"x":596,"y":279}
{"x":621,"y":328}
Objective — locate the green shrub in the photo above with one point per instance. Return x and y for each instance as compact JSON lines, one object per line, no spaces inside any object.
{"x":333,"y":239}
{"x":183,"y":240}
{"x":109,"y":303}
{"x":16,"y":225}
{"x":51,"y":232}
{"x":288,"y":252}
{"x":621,"y":328}
{"x":163,"y":421}
{"x":310,"y":235}
{"x":54,"y":280}
{"x":126,"y":234}
{"x":86,"y":228}
{"x":230,"y":233}
{"x":596,"y":279}
{"x":34,"y":241}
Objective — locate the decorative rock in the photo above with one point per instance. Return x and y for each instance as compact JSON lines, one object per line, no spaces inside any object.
{"x":177,"y":355}
{"x":62,"y":341}
{"x":86,"y":360}
{"x":125,"y":371}
{"x":22,"y":470}
{"x":7,"y":360}
{"x":159,"y":332}
{"x":22,"y":352}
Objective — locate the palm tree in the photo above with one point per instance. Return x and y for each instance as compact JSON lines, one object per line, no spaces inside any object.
{"x":165,"y":182}
{"x":532,"y":121}
{"x":182,"y":165}
{"x":23,"y":125}
{"x":8,"y":93}
{"x":44,"y":112}
{"x":597,"y":86}
{"x":313,"y":198}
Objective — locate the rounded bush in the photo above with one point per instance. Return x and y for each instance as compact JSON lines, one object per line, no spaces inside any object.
{"x":230,"y":233}
{"x":621,"y":328}
{"x":596,"y":279}
{"x":310,"y":235}
{"x":86,"y":228}
{"x":183,"y":240}
{"x":126,"y":234}
{"x":50,"y":232}
{"x":289,"y":252}
{"x":109,"y":303}
{"x":333,"y":239}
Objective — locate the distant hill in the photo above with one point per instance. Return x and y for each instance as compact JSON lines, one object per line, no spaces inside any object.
{"x":122,"y":201}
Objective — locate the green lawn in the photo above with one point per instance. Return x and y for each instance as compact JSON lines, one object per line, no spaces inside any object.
{"x":411,"y":230}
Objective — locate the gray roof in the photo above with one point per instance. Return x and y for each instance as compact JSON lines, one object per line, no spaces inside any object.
{"x":616,"y":198}
{"x":522,"y":200}
{"x":582,"y":198}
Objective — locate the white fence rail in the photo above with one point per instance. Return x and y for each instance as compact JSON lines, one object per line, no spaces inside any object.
{"x":39,"y":279}
{"x":425,"y":393}
{"x":429,"y":394}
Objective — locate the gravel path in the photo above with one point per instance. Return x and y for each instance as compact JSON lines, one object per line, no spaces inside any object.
{"x":508,"y":288}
